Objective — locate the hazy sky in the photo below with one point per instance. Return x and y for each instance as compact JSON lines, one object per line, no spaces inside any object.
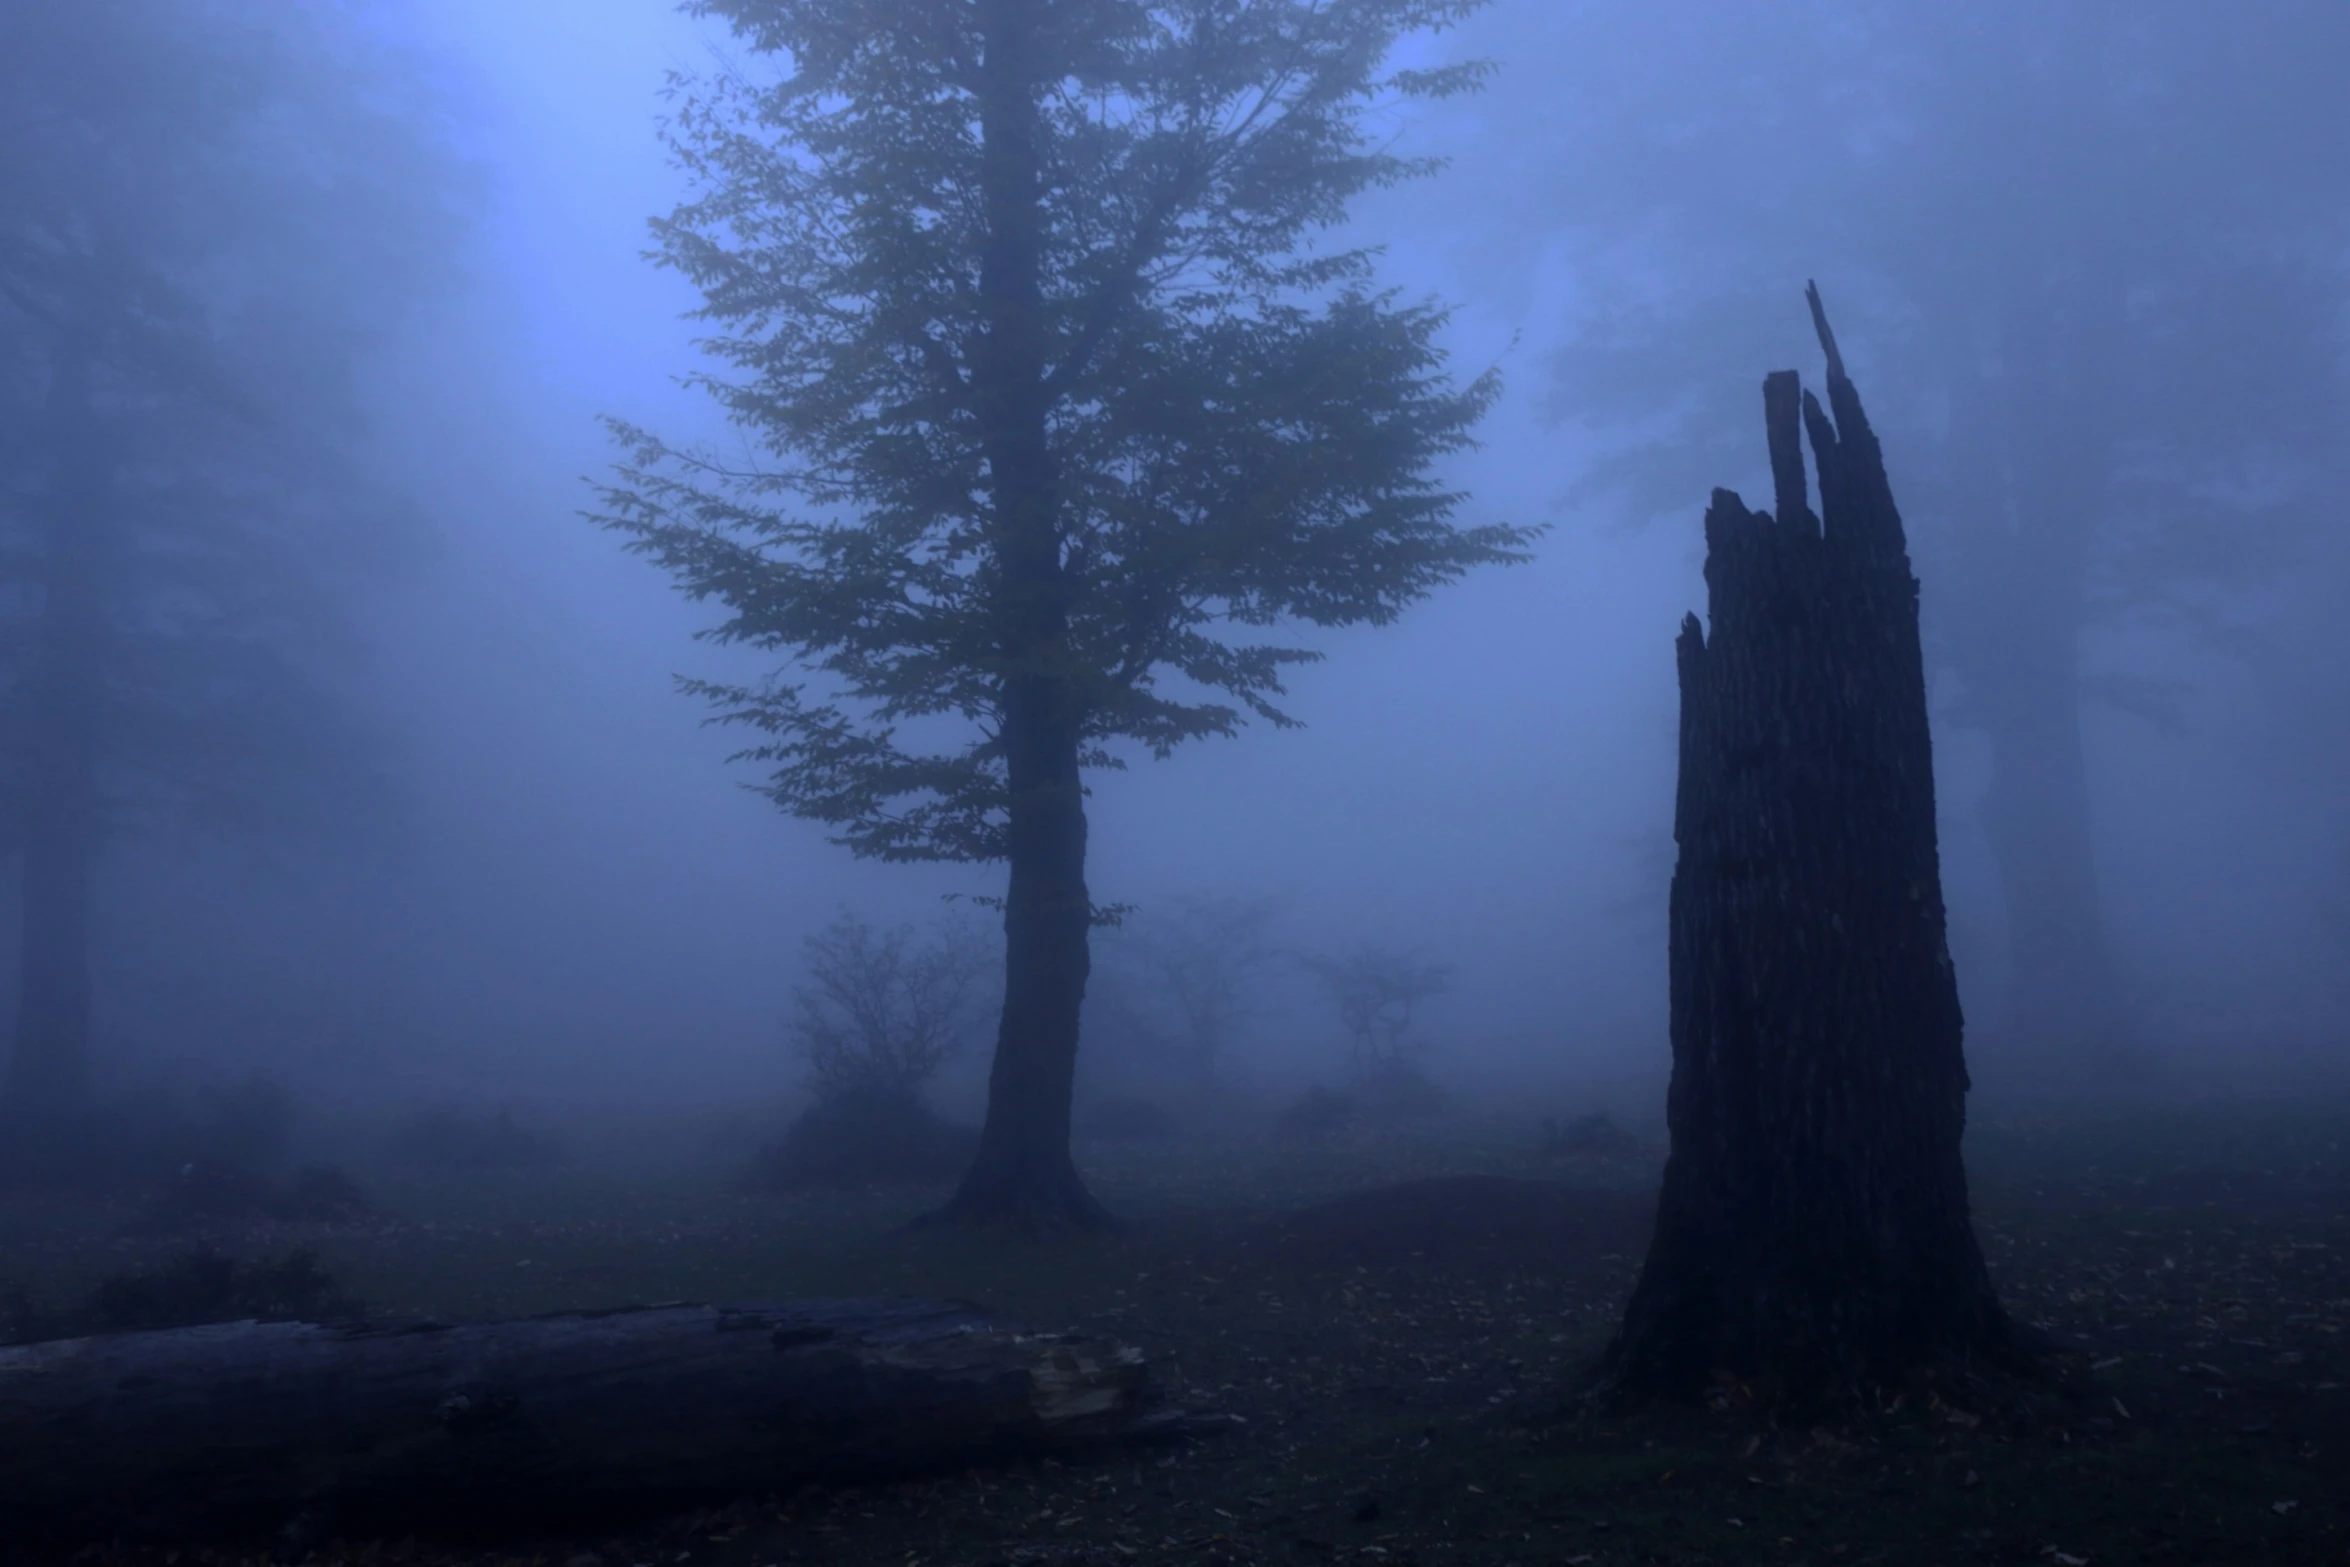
{"x":581,"y":901}
{"x":642,"y":906}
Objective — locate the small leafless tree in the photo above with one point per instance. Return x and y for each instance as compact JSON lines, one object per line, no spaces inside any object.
{"x":1205,"y":957}
{"x":1377,"y":990}
{"x":882,"y":1011}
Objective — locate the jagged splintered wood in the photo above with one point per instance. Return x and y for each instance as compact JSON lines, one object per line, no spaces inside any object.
{"x":1813,"y":1237}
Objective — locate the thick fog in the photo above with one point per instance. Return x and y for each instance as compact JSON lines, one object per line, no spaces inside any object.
{"x":2088,"y":263}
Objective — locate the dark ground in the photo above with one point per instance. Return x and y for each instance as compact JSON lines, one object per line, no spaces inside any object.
{"x":1385,"y":1312}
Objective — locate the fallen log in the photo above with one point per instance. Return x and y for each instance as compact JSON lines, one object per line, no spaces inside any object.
{"x":577,"y":1417}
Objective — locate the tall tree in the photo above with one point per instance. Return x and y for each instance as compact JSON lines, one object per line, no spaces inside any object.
{"x":205,"y":210}
{"x":1052,"y":398}
{"x":2098,"y":275}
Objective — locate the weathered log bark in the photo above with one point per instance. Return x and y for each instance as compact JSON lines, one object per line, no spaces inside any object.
{"x":1812,"y":1237}
{"x":558,"y":1420}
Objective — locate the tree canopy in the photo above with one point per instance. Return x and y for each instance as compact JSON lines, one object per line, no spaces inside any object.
{"x":1051,"y":402}
{"x":1241,"y":424}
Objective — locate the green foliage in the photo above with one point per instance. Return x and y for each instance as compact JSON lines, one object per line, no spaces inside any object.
{"x":1239,"y":426}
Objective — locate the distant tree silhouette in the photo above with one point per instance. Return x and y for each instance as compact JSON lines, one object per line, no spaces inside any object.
{"x":2110,"y":355}
{"x":1377,"y":992}
{"x":1205,"y":959}
{"x":207,"y":212}
{"x":1049,"y":401}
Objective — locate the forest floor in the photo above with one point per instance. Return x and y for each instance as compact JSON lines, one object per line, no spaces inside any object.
{"x":1392,"y":1315}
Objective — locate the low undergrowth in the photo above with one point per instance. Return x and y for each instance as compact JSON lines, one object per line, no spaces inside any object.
{"x":1392,"y":1314}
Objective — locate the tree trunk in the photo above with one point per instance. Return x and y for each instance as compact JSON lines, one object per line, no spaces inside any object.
{"x":2064,"y":1017}
{"x":47,"y":1084}
{"x":1024,"y":1177}
{"x":2018,"y":654}
{"x":2033,"y":500}
{"x":1812,"y":1237}
{"x":555,"y":1421}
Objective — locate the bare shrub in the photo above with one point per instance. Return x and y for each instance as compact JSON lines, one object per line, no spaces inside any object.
{"x":1377,"y":991}
{"x":208,"y":1286}
{"x":881,"y":1011}
{"x":185,"y":1290}
{"x":1205,"y":959}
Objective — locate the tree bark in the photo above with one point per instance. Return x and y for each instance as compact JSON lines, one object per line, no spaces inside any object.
{"x":47,"y":1083}
{"x":1024,"y":1176}
{"x":556,"y":1421}
{"x":1812,"y":1237}
{"x":2022,"y":564}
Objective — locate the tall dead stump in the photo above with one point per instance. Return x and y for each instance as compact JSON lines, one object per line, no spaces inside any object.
{"x":1812,"y":1237}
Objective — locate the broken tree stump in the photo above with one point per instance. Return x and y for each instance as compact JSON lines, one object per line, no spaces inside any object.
{"x":1812,"y":1238}
{"x":560,"y":1420}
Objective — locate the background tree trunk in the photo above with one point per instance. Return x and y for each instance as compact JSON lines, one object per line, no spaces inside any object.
{"x":2064,"y":1020}
{"x":2026,"y":518}
{"x":564,"y":1420}
{"x":1813,"y":1235}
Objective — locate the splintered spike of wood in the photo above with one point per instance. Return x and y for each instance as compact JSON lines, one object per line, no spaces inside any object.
{"x":1823,"y":446}
{"x":1782,"y":422}
{"x":1819,"y":321}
